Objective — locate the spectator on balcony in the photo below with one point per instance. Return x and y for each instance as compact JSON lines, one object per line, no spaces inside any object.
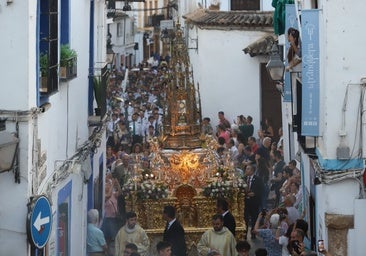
{"x":294,"y":51}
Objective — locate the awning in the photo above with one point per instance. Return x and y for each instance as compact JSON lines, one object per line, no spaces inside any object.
{"x":262,"y":46}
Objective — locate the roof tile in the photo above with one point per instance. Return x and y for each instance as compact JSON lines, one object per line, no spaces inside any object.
{"x":204,"y":17}
{"x":262,"y":46}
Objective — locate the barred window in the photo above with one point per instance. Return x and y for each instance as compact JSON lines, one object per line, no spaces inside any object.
{"x":48,"y":46}
{"x":238,"y":5}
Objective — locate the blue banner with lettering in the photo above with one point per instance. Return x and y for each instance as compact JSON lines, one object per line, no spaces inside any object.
{"x":291,"y":21}
{"x":310,"y":72}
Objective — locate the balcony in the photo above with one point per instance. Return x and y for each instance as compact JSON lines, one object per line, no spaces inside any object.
{"x":154,"y":20}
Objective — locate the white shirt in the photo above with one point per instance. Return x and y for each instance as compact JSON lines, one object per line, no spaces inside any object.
{"x":233,"y":152}
{"x":138,"y":128}
{"x":171,"y":223}
{"x":283,"y":240}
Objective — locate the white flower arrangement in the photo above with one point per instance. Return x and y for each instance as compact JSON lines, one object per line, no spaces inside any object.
{"x":242,"y":185}
{"x":146,"y":190}
{"x":218,"y":189}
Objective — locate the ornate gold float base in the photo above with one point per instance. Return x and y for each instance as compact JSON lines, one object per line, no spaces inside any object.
{"x":194,"y":213}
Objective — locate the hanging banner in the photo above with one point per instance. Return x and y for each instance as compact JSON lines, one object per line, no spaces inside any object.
{"x":310,"y":72}
{"x":291,"y":21}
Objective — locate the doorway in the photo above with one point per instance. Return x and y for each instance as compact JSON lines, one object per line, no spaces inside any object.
{"x":270,"y":102}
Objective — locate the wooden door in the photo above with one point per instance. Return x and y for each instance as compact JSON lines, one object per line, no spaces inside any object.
{"x":270,"y":101}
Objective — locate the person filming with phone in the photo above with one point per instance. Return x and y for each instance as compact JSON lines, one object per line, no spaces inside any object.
{"x":321,"y":248}
{"x":267,"y":231}
{"x":296,"y":246}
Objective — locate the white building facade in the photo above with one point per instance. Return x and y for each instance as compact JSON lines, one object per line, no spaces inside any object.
{"x":326,"y":96}
{"x":228,"y":79}
{"x":331,"y":148}
{"x":58,"y":145}
{"x":58,"y":154}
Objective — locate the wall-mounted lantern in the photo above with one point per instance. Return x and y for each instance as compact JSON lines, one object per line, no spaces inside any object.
{"x":275,"y":65}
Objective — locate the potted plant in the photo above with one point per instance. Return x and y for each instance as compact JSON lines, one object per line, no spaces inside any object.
{"x":98,"y":92}
{"x":43,"y":65}
{"x":67,"y":61}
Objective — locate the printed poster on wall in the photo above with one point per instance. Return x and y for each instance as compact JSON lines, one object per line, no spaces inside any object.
{"x":310,"y":72}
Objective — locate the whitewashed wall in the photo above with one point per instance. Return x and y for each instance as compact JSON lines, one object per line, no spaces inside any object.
{"x":62,"y":129}
{"x":228,"y":78}
{"x":341,"y":67}
{"x":17,"y":86}
{"x":225,"y":5}
{"x":17,"y":54}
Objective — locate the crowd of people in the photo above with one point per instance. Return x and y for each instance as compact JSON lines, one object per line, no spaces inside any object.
{"x":136,"y":109}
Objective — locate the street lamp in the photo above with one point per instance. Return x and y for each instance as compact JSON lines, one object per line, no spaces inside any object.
{"x":275,"y":65}
{"x":126,"y":7}
{"x":110,"y":56}
{"x":165,"y":37}
{"x":8,"y":148}
{"x":110,"y":52}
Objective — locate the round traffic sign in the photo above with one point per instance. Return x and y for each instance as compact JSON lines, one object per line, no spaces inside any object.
{"x":40,"y":221}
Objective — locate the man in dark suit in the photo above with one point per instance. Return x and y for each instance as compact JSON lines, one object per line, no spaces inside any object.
{"x":278,"y":178}
{"x":174,"y":232}
{"x":222,"y":208}
{"x":252,"y":197}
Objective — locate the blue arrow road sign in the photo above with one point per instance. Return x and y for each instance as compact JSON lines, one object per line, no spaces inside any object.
{"x":40,"y":222}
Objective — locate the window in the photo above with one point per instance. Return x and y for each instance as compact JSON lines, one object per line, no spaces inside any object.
{"x":237,"y":5}
{"x":64,"y":220}
{"x":119,"y":29}
{"x":65,"y":22}
{"x":48,"y":46}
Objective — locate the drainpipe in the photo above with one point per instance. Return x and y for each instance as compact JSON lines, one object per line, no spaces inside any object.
{"x":91,"y":59}
{"x":363,"y":117}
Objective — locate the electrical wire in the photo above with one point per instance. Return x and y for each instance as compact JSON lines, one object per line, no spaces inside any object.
{"x":332,"y":176}
{"x":336,"y":177}
{"x":66,"y":168}
{"x":358,"y":126}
